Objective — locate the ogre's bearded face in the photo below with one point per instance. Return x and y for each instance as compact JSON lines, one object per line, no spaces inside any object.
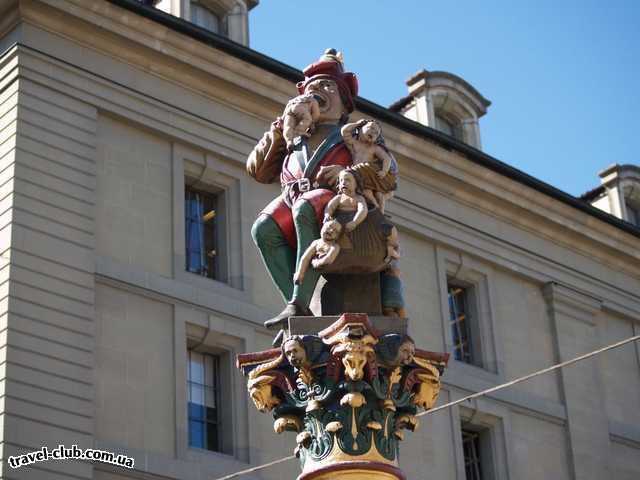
{"x":326,"y":92}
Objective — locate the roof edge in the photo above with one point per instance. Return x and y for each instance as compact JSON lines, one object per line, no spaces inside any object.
{"x":366,"y":106}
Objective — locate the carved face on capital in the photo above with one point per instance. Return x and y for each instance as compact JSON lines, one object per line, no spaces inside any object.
{"x":295,"y":353}
{"x":355,"y":355}
{"x":426,"y":394}
{"x":263,"y":398}
{"x":347,"y":183}
{"x":406,"y":352}
{"x":326,"y":92}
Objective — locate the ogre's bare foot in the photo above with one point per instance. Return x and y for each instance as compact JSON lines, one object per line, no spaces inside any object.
{"x":291,"y":310}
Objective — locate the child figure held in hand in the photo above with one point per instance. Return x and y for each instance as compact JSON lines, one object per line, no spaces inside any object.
{"x":322,"y":251}
{"x":374,"y":167}
{"x":299,"y":115}
{"x":325,"y":250}
{"x":347,"y":200}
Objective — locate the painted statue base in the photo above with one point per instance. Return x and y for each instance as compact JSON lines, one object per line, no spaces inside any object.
{"x":348,"y":387}
{"x":354,"y":470}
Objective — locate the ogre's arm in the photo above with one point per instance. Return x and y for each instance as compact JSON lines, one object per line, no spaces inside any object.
{"x":265,"y":161}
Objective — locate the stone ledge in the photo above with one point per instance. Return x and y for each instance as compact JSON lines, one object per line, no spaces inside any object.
{"x":312,"y":325}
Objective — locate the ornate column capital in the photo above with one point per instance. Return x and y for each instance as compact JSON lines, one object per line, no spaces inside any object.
{"x":349,"y":392}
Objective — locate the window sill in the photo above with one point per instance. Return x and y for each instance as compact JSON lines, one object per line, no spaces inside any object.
{"x":469,"y":370}
{"x":206,"y":283}
{"x":211,"y":458}
{"x":202,"y":292}
{"x":197,"y":464}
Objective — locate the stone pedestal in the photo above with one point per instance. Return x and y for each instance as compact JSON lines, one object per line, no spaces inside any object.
{"x":348,"y":387}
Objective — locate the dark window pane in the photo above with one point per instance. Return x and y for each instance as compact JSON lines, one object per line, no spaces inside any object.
{"x":196,"y":434}
{"x":203,"y":391}
{"x":197,"y":412}
{"x":459,"y":322}
{"x":202,"y":230}
{"x":471,"y":448}
{"x":212,"y":437}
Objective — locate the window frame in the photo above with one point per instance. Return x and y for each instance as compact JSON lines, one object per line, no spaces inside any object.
{"x":221,"y":266}
{"x":203,"y":332}
{"x":633,"y":212}
{"x":492,"y":423}
{"x":216,"y":388}
{"x":206,"y":172}
{"x":464,"y":270}
{"x":471,"y":322}
{"x":453,"y":125}
{"x":478,"y":448}
{"x":206,"y":9}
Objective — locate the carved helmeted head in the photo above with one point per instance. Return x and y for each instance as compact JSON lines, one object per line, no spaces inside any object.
{"x":261,"y":392}
{"x":427,"y":389}
{"x":396,"y":350}
{"x":333,"y":88}
{"x":294,"y":350}
{"x":406,"y":352}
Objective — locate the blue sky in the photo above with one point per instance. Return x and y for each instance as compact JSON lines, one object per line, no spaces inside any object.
{"x":563,"y":77}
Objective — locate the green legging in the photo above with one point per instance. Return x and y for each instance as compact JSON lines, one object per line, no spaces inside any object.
{"x":281,"y":260}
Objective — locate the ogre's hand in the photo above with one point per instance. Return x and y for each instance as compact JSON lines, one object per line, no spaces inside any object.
{"x":350,"y":226}
{"x":328,"y":175}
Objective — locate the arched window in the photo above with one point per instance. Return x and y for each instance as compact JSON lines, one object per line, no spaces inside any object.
{"x":204,"y":17}
{"x":447,"y":124}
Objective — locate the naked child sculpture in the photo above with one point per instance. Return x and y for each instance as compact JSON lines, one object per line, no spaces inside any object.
{"x":373,"y":166}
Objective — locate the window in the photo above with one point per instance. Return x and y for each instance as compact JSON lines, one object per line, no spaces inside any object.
{"x":633,"y":213}
{"x":203,"y":386}
{"x":448,"y":126}
{"x":204,"y":17}
{"x":476,"y":452}
{"x":204,"y":233}
{"x":466,"y":346}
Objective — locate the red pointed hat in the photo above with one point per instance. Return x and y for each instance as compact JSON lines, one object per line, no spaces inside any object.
{"x":330,"y":66}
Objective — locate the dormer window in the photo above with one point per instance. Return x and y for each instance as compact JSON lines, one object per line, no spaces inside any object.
{"x":633,"y":213}
{"x":445,"y":102}
{"x":204,"y":17}
{"x":618,"y":193}
{"x":448,"y":125}
{"x":223,"y":17}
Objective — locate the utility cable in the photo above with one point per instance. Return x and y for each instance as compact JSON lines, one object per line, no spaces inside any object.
{"x":465,"y":399}
{"x":255,"y":469}
{"x":531,"y":375}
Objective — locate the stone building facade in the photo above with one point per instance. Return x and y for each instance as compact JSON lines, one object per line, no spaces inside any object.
{"x":114,"y":116}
